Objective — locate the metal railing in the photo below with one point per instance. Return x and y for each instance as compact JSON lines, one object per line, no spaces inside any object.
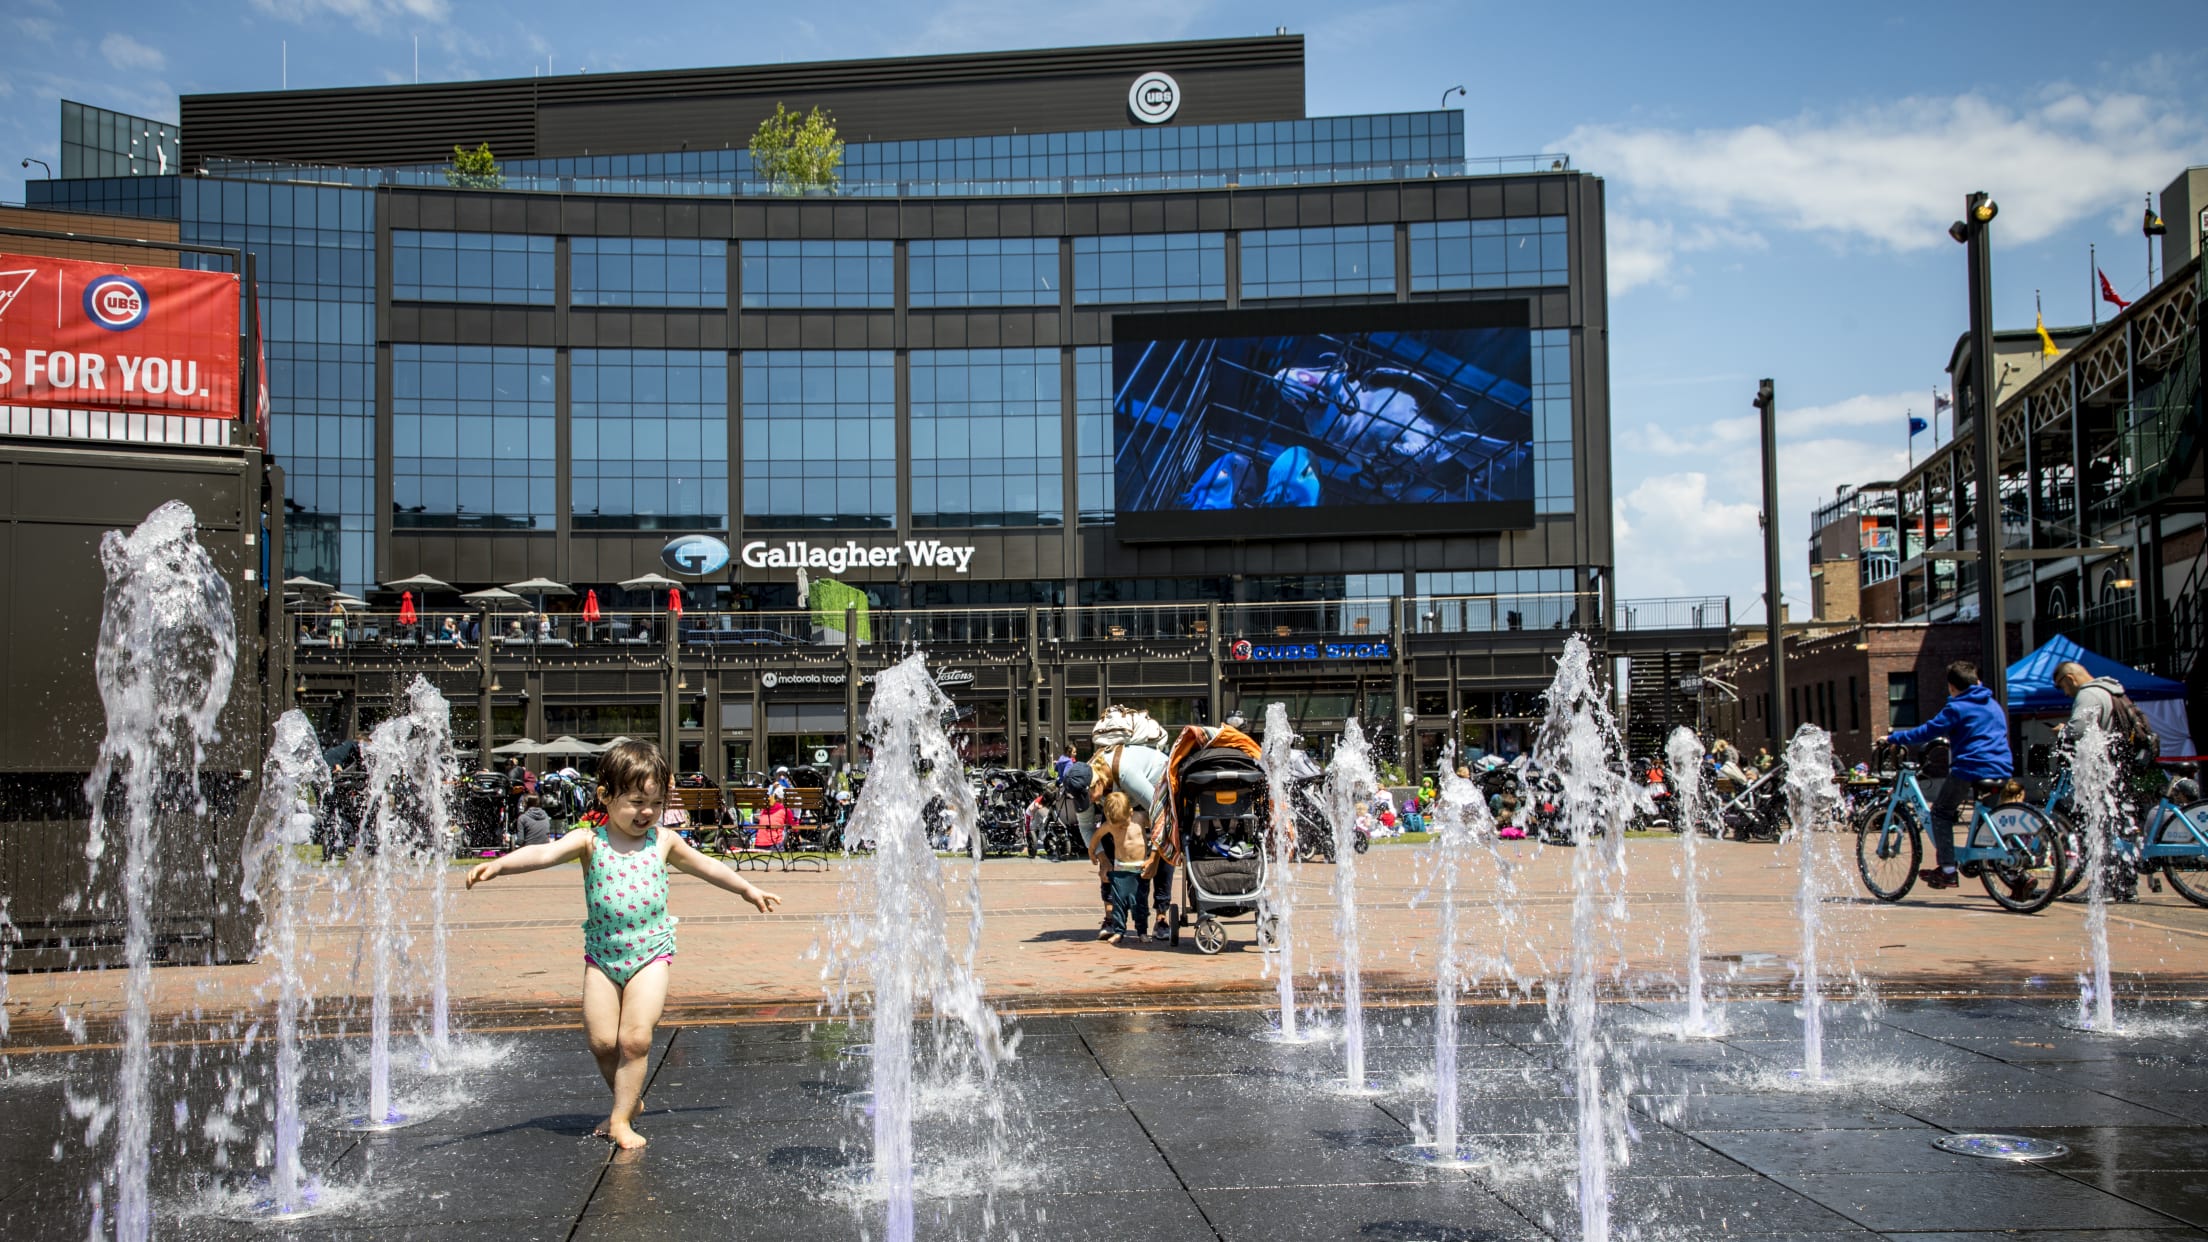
{"x":465,"y":629}
{"x":711,"y":186}
{"x":1686,"y":612}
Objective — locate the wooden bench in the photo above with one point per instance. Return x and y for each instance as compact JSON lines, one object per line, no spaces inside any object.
{"x":804,"y":841}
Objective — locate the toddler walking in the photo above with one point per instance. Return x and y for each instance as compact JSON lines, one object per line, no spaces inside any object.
{"x":1127,"y":843}
{"x":628,"y":938}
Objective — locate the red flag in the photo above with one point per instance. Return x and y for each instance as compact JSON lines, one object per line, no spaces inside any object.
{"x":590,"y":605}
{"x":2108,"y":291}
{"x":674,"y":600}
{"x":407,"y":615}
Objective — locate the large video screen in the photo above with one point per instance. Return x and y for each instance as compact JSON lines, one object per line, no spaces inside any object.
{"x":1295,"y":422}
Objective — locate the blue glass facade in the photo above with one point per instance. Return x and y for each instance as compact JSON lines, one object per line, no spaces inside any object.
{"x":820,"y":438}
{"x":1092,"y":432}
{"x":984,"y":271}
{"x":1323,"y":262}
{"x":647,"y":271}
{"x":853,"y":274}
{"x":986,"y":438}
{"x":649,"y":434}
{"x":316,"y":250}
{"x":1552,"y":420}
{"x":509,"y":268}
{"x":475,"y":429}
{"x":1150,"y":267}
{"x":1489,"y":254}
{"x":472,"y":437}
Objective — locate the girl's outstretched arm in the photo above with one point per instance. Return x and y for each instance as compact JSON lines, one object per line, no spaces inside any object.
{"x":713,"y":871}
{"x":533,"y":857}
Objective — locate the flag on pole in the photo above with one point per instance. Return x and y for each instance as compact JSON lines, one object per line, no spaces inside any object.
{"x":1941,"y":405}
{"x":2108,"y":291}
{"x":2039,"y":322}
{"x":1916,"y":425}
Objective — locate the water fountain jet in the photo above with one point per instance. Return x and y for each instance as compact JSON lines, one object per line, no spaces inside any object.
{"x":1684,"y":754}
{"x":167,"y":653}
{"x":1812,"y":799}
{"x":281,"y":829}
{"x":1349,"y":781}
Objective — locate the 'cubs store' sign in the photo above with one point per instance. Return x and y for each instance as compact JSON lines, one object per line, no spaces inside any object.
{"x":107,"y":336}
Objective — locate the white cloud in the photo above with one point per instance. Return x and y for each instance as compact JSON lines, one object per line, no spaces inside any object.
{"x":369,"y":15}
{"x":1699,"y":531}
{"x":1885,"y":416}
{"x":1891,"y":175}
{"x":124,"y":52}
{"x":39,"y":28}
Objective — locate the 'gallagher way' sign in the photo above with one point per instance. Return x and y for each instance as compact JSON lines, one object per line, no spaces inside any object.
{"x":837,"y":557}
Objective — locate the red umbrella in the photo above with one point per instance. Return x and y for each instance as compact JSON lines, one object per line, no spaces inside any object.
{"x":590,"y":606}
{"x":407,"y":615}
{"x":674,"y":600}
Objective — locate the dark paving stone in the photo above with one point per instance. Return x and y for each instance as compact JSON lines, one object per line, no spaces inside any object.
{"x":1775,"y":1152}
{"x":2128,"y":1148}
{"x":1698,"y":1111}
{"x":1999,"y":1197}
{"x":2053,"y":1235}
{"x":1694,"y":1207}
{"x":2183,"y":1195}
{"x":1455,"y":1209}
{"x":1168,"y":1217}
{"x":1318,"y":1143}
{"x":2171,"y":1234}
{"x":2007,"y":1110}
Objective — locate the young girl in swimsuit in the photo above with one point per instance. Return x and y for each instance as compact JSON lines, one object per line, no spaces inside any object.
{"x":629,"y":938}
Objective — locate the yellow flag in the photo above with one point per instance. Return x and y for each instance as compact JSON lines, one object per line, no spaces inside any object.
{"x":2046,"y":342}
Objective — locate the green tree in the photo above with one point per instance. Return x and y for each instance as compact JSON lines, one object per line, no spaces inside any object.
{"x":474,"y":170}
{"x":794,"y":152}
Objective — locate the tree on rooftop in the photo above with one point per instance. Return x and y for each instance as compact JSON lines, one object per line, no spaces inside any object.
{"x":794,"y":152}
{"x":474,"y":170}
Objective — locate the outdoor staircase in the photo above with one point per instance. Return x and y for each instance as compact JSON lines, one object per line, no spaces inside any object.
{"x":1655,"y":703}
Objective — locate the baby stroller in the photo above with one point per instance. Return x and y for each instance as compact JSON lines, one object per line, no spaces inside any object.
{"x":1220,"y":816}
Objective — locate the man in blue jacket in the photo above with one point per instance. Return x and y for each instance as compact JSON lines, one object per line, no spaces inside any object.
{"x":1978,"y":732}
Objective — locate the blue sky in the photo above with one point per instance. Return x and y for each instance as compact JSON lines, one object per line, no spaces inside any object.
{"x":1779,"y":176}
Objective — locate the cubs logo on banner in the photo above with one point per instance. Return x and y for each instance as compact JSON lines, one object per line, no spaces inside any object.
{"x":107,"y":336}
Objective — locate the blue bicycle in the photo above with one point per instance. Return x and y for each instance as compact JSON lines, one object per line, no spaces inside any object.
{"x":2173,"y":841}
{"x":2014,"y":848}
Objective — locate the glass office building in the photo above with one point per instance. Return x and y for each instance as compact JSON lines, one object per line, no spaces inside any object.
{"x":630,"y":338}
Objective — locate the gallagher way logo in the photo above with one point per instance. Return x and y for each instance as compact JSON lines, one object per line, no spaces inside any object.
{"x":696,"y":555}
{"x":116,"y":303}
{"x":851,"y":554}
{"x":1154,"y":98}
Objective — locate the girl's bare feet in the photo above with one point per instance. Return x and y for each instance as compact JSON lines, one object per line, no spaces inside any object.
{"x":625,"y":1138}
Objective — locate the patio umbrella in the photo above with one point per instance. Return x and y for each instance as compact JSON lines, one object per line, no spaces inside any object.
{"x":590,"y":607}
{"x":524,"y":746}
{"x":407,"y":615}
{"x":540,"y":586}
{"x":348,"y":601}
{"x":648,"y":582}
{"x":567,"y":745}
{"x":307,"y":586}
{"x":419,"y":582}
{"x":493,"y":595}
{"x":674,"y":600}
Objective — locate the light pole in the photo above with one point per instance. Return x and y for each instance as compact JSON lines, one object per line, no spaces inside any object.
{"x":1454,"y":90}
{"x":1767,"y":405}
{"x":1975,"y":232}
{"x":30,"y":160}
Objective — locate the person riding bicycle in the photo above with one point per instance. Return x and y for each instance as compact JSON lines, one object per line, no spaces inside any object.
{"x":1978,"y":732}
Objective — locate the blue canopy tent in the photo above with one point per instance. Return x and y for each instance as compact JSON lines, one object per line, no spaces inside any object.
{"x":2032,"y":690}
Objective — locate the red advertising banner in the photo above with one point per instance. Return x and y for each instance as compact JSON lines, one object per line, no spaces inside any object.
{"x":105,"y":336}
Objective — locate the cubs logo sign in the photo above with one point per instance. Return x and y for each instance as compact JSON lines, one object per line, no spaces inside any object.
{"x":103,"y":336}
{"x":116,"y":303}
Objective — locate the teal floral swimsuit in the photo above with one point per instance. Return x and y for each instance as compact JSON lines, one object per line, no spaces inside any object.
{"x":626,"y":895}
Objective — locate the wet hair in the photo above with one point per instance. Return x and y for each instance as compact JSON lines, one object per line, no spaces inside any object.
{"x":1962,"y":674}
{"x":1117,"y":808}
{"x":631,"y":767}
